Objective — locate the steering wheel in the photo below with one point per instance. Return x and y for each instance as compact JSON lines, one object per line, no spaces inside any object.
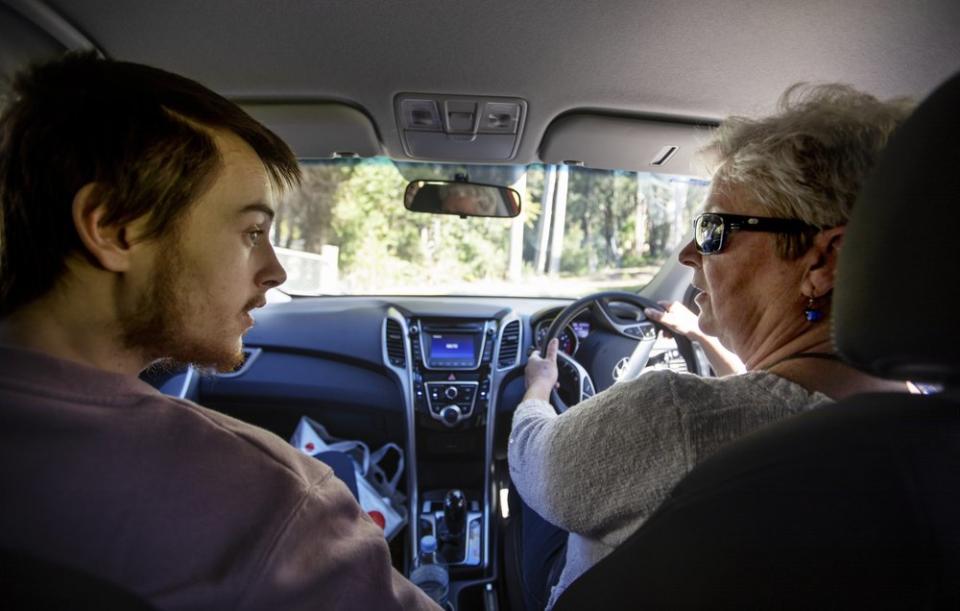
{"x":641,"y":329}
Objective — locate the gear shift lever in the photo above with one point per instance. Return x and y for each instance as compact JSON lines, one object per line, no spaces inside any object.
{"x":454,"y":512}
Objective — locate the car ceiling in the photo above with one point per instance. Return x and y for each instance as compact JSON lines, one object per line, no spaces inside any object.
{"x":682,"y":60}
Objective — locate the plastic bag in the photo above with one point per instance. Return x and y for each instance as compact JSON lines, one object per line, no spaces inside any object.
{"x":377,"y":490}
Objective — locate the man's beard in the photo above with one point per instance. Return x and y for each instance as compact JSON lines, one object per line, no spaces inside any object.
{"x":160,"y":322}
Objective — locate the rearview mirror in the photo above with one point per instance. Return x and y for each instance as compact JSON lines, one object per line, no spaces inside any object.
{"x":461,"y":198}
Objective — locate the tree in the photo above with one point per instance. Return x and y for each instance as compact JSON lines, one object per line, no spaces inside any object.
{"x":304,"y":216}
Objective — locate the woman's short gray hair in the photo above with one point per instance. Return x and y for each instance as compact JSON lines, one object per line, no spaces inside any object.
{"x":810,"y":159}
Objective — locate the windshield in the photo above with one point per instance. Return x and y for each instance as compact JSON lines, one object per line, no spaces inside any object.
{"x":346,"y":231}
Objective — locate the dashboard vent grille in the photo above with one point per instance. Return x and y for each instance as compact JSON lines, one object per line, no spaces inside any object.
{"x":395,"y":351}
{"x":509,"y":344}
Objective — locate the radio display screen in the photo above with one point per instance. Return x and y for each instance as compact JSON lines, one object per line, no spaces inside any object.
{"x":457,"y":347}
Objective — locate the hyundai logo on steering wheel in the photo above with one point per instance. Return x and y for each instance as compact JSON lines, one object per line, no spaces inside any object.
{"x":620,"y":368}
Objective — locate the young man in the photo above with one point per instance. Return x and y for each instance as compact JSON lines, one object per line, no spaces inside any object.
{"x":135,"y":206}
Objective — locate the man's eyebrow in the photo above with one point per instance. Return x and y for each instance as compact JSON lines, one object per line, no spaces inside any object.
{"x":257,"y":207}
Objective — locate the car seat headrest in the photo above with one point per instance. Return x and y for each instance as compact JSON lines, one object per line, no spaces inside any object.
{"x":893,"y":313}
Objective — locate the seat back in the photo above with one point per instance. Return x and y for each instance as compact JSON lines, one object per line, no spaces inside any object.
{"x":901,"y":251}
{"x":849,"y":507}
{"x":31,"y":583}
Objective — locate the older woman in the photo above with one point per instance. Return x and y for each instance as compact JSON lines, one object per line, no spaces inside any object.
{"x":763,"y":254}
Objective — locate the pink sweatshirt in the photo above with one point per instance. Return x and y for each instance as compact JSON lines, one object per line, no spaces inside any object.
{"x":184,"y":506}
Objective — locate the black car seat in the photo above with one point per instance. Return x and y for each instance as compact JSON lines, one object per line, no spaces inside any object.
{"x":28,"y":583}
{"x":855,"y":505}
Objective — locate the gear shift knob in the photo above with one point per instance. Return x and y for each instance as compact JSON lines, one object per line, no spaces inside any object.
{"x":454,"y":511}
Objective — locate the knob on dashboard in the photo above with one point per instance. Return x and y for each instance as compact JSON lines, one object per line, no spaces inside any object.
{"x":450,"y":415}
{"x":451,"y":392}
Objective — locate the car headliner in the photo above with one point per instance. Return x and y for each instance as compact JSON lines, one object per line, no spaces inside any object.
{"x":685,"y":60}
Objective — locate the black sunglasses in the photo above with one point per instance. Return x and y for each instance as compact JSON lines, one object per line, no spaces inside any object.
{"x":710,"y":229}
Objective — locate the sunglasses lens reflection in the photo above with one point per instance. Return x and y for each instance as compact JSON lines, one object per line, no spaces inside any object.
{"x":708,"y":231}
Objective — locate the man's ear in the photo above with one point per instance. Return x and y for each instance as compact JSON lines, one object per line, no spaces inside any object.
{"x":822,"y":262}
{"x":108,"y":245}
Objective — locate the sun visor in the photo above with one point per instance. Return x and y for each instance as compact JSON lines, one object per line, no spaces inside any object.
{"x":320,"y":131}
{"x":624,"y":143}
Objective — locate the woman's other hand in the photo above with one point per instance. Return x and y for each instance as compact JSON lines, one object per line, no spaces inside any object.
{"x":677,"y":318}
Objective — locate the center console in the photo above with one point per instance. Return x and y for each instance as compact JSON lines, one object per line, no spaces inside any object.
{"x":451,"y":371}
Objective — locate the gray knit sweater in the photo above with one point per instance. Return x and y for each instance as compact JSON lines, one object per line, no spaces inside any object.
{"x":600,"y":469}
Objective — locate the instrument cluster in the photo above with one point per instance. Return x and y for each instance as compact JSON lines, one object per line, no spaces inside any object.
{"x":569,"y":337}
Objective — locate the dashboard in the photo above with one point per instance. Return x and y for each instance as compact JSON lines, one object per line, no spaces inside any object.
{"x":328,"y":358}
{"x":439,"y":376}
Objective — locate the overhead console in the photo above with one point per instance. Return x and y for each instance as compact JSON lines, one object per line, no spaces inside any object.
{"x":457,"y":127}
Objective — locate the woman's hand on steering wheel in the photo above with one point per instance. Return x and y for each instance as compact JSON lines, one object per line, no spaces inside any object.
{"x":677,"y":319}
{"x":681,"y":322}
{"x":540,"y":373}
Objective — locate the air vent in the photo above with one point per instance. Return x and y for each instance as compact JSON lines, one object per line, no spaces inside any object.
{"x":249,"y":356}
{"x":395,"y":350}
{"x":247,"y":353}
{"x":509,"y":345}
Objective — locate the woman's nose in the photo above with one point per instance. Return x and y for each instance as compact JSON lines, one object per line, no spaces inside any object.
{"x":689,"y":255}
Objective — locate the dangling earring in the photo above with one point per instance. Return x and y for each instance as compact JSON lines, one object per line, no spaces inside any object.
{"x":811,"y":313}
